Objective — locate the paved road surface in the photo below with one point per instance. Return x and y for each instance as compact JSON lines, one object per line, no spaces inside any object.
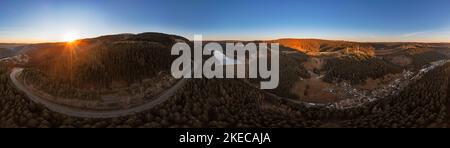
{"x":88,"y":113}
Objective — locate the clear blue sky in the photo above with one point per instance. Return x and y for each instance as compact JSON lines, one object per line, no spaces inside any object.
{"x":359,"y":20}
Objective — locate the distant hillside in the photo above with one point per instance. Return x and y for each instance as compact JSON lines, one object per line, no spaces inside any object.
{"x":10,"y":45}
{"x":9,"y":49}
{"x":4,"y":52}
{"x":312,"y":46}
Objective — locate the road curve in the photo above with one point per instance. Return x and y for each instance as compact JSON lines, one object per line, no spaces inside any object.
{"x":76,"y":112}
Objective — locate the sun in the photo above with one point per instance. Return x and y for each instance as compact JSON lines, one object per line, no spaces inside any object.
{"x":70,"y":37}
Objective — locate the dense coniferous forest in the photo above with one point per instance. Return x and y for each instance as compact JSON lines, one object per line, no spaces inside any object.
{"x":124,"y":61}
{"x":424,"y":58}
{"x":231,"y":103}
{"x":290,"y":74}
{"x":57,"y":88}
{"x":422,"y":104}
{"x":357,"y":69}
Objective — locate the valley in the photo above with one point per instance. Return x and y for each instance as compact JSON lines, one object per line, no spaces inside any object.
{"x":124,"y":81}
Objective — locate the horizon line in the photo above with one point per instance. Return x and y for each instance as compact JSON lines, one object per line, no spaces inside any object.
{"x":227,"y":39}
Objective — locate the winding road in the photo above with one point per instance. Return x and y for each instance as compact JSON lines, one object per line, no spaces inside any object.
{"x":76,"y":112}
{"x":164,"y":96}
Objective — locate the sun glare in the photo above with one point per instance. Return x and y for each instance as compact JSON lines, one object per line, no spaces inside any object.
{"x":70,"y":37}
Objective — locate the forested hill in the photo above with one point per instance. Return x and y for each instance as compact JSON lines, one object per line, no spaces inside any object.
{"x":314,"y":46}
{"x":102,"y":60}
{"x":317,"y":45}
